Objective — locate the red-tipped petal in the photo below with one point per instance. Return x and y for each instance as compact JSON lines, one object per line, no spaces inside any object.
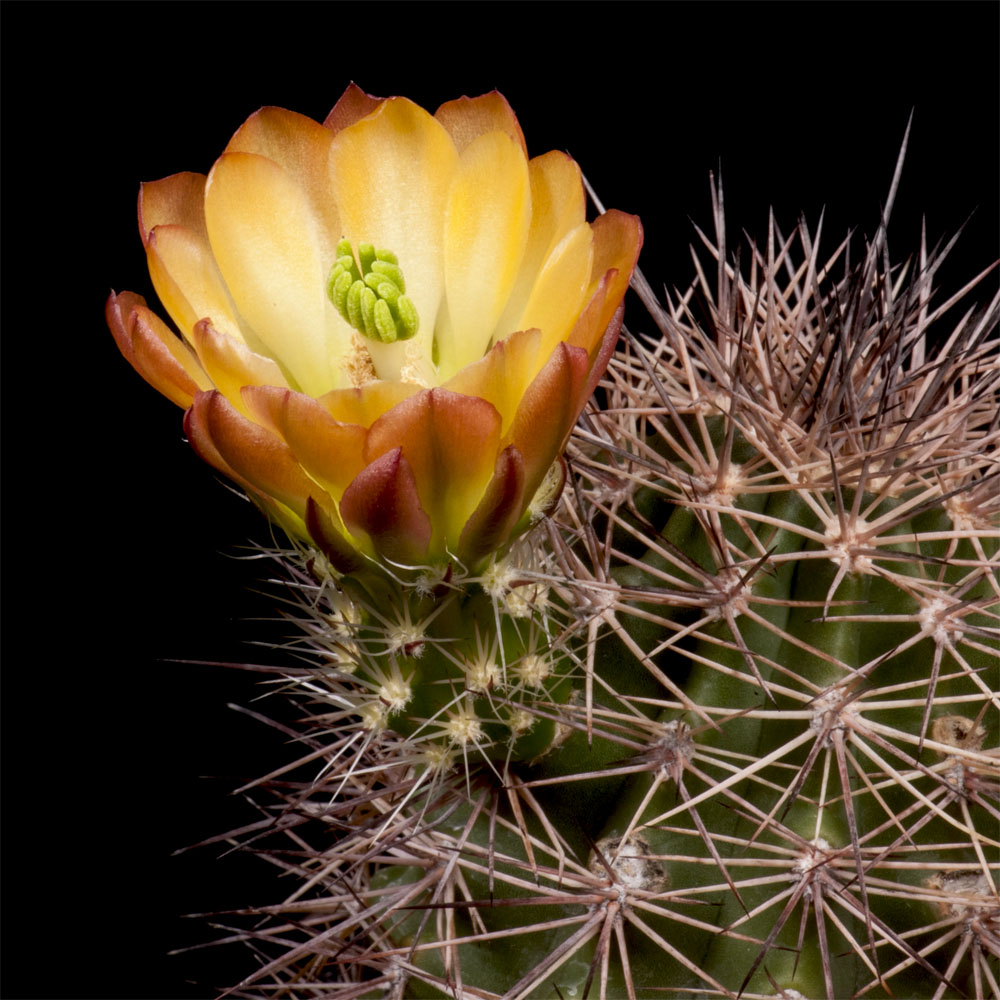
{"x":163,"y":360}
{"x":450,"y":442}
{"x":617,"y":242}
{"x":467,"y":118}
{"x":354,"y":104}
{"x":198,"y":434}
{"x":548,"y":411}
{"x":331,"y":452}
{"x":605,"y":349}
{"x":178,"y":200}
{"x":502,"y":505}
{"x":503,"y":375}
{"x":343,"y":556}
{"x":253,"y":453}
{"x":382,"y":503}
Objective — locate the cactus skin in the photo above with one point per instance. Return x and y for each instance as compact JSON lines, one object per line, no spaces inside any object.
{"x":763,"y":764}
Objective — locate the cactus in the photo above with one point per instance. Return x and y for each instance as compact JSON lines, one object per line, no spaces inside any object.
{"x":722,"y":724}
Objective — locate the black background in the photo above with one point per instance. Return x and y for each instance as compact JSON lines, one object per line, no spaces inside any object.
{"x":120,"y":544}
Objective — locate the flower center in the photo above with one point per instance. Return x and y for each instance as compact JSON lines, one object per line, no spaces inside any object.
{"x":372,"y":297}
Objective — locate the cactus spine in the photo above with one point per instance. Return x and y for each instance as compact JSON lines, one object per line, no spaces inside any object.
{"x":725,"y":723}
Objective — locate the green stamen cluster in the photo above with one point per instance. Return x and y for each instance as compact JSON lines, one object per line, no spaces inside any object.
{"x":372,"y":299}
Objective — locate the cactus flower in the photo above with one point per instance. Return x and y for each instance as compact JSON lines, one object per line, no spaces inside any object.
{"x":389,"y":321}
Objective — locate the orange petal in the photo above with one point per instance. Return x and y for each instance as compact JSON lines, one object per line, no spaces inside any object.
{"x":364,"y":405}
{"x":548,"y":411}
{"x":503,"y":376}
{"x":383,"y":504}
{"x":254,"y":454}
{"x":467,"y":118}
{"x":354,"y":104}
{"x":450,"y":442}
{"x":178,"y":200}
{"x":601,"y":357}
{"x":162,"y":359}
{"x":331,"y":452}
{"x":491,"y":523}
{"x":197,"y":431}
{"x":617,"y":242}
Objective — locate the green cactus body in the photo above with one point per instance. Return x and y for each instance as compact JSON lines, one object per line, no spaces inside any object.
{"x":726,"y":724}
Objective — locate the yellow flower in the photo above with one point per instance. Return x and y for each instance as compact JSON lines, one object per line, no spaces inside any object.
{"x":410,"y":408}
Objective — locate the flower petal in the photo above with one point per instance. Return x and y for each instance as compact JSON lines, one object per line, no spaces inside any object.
{"x":254,"y":454}
{"x":450,"y":442}
{"x":467,"y":118}
{"x":269,"y":249}
{"x":324,"y":531}
{"x":330,"y":452}
{"x":499,"y":511}
{"x":503,"y":375}
{"x":163,"y":360}
{"x":486,"y":228}
{"x":383,"y":504}
{"x":558,"y":206}
{"x":390,"y":174}
{"x":301,"y":147}
{"x":187,"y":280}
{"x":353,"y":105}
{"x":560,"y":288}
{"x":617,"y":241}
{"x":548,"y":411}
{"x":231,"y":365}
{"x":367,"y":403}
{"x":178,"y":200}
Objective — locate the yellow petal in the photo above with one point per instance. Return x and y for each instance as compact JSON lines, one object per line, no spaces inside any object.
{"x":391,"y":173}
{"x":187,"y":280}
{"x":558,"y":207}
{"x":560,"y":289}
{"x":269,"y":249}
{"x":231,"y":365}
{"x":486,"y":227}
